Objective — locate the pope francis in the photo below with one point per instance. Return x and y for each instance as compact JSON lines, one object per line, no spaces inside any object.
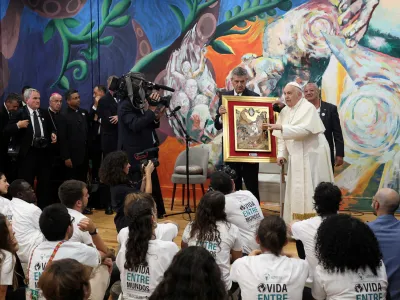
{"x":301,"y":142}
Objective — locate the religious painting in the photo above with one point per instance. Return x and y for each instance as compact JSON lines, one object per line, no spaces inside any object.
{"x":244,"y":138}
{"x":249,"y":135}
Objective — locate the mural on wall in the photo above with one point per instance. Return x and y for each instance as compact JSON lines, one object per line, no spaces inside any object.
{"x":349,"y":48}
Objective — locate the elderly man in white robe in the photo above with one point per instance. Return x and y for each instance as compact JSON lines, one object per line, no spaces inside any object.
{"x":302,"y":143}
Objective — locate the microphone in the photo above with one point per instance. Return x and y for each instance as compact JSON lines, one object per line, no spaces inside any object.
{"x":163,"y":87}
{"x":276,"y":108}
{"x":176,"y":109}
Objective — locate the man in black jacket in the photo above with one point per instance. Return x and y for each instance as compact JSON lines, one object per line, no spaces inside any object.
{"x":74,"y":138}
{"x":10,"y":106}
{"x":108,"y":113}
{"x":136,"y":132}
{"x":247,"y":172}
{"x":33,"y":135}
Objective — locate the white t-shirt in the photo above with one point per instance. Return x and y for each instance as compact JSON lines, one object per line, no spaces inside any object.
{"x":305,"y":231}
{"x":267,"y":276}
{"x":7,"y":268}
{"x":26,"y":227}
{"x":79,"y":235}
{"x":5,"y":208}
{"x":164,"y":231}
{"x":142,"y":281}
{"x":230,"y":240}
{"x":84,"y":254}
{"x":243,"y":210}
{"x":349,"y":285}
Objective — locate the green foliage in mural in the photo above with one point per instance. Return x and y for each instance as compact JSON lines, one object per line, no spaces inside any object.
{"x":92,"y":39}
{"x":239,"y":16}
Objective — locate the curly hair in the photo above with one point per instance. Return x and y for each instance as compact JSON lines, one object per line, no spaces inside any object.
{"x":65,"y":279}
{"x":198,"y":275}
{"x":140,"y":233}
{"x":346,"y":243}
{"x":210,"y":210}
{"x":272,"y":234}
{"x":327,"y":199}
{"x":112,"y":168}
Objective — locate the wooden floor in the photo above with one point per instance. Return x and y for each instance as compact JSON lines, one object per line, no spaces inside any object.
{"x":106,"y":227}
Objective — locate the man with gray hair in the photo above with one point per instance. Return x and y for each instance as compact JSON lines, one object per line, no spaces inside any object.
{"x":33,"y":135}
{"x":387,"y":231}
{"x":301,"y":141}
{"x":247,"y":172}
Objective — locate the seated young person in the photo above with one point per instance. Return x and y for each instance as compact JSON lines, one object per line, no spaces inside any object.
{"x":143,"y":259}
{"x":241,"y":207}
{"x":114,"y":172}
{"x":165,"y":230}
{"x":211,"y":230}
{"x":349,"y":261}
{"x":56,"y":226}
{"x":267,"y":273}
{"x":198,"y":275}
{"x":5,"y":207}
{"x":66,"y":279}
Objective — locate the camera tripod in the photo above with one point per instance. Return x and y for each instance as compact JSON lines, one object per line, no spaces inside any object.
{"x":188,"y":139}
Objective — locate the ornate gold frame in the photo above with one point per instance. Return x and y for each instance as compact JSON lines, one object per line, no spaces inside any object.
{"x":246,"y":100}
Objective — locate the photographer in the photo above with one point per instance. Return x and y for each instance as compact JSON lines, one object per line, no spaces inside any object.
{"x":32,"y":133}
{"x":138,"y":117}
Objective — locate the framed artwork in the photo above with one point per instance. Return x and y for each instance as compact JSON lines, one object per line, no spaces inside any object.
{"x":244,"y":139}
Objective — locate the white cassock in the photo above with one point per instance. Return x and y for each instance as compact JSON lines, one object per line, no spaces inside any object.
{"x":302,"y":142}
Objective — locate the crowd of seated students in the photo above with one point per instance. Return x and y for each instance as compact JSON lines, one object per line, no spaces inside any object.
{"x":229,"y":250}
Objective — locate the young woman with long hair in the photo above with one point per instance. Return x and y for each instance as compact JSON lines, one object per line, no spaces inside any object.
{"x":143,"y":259}
{"x":5,"y":207}
{"x":211,"y":230}
{"x":349,"y":261}
{"x":193,"y":274}
{"x":8,"y":248}
{"x":267,"y":272}
{"x":114,"y":172}
{"x":66,"y":279}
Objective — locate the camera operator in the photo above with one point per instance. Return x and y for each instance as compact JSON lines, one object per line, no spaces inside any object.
{"x":136,"y":132}
{"x":32,"y":132}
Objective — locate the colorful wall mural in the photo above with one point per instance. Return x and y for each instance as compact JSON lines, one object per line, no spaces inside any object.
{"x":350,"y":48}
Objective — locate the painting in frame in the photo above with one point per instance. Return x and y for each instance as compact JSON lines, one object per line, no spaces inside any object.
{"x":244,"y":139}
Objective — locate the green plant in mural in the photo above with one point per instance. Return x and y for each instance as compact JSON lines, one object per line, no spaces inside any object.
{"x":239,"y":16}
{"x":89,"y":37}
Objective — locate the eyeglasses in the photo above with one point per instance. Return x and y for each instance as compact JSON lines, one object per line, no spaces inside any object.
{"x":72,"y":220}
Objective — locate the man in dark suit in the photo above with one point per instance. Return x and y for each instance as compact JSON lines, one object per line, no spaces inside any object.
{"x":54,"y":118}
{"x":108,"y":112}
{"x":330,"y":117}
{"x":33,"y":136}
{"x":74,"y":138}
{"x":247,"y":172}
{"x":10,"y":106}
{"x":136,"y":132}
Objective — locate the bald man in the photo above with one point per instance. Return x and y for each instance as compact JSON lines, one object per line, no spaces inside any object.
{"x":301,"y":142}
{"x":387,"y":230}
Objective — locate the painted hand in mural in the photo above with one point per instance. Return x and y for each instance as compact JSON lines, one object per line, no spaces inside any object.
{"x":354,"y":18}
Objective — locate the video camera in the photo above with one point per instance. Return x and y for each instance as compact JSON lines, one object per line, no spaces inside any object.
{"x":134,"y":86}
{"x":147,"y":155}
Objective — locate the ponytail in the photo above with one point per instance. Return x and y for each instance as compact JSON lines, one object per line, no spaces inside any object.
{"x":272,"y":234}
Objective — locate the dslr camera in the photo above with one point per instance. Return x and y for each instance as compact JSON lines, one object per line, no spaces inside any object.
{"x":228,"y":170}
{"x":40,"y":142}
{"x":148,"y":155}
{"x":134,"y":86}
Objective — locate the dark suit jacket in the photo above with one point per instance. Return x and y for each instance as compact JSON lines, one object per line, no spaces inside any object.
{"x":54,"y":120}
{"x":135,"y":131}
{"x":218,"y":120}
{"x":109,"y":132}
{"x":4,"y":138}
{"x":73,"y":134}
{"x":24,"y":136}
{"x":333,"y":132}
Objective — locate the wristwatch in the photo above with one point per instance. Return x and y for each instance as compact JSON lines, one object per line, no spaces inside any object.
{"x":94,"y":232}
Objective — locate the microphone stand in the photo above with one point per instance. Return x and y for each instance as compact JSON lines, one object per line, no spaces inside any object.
{"x":188,"y":139}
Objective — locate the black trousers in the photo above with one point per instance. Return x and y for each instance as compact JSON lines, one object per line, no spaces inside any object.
{"x":78,"y":172}
{"x":35,"y":164}
{"x":247,"y":172}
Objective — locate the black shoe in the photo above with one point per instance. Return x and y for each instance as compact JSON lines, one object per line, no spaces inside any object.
{"x":87,"y":211}
{"x":160,"y":216}
{"x":109,"y":211}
